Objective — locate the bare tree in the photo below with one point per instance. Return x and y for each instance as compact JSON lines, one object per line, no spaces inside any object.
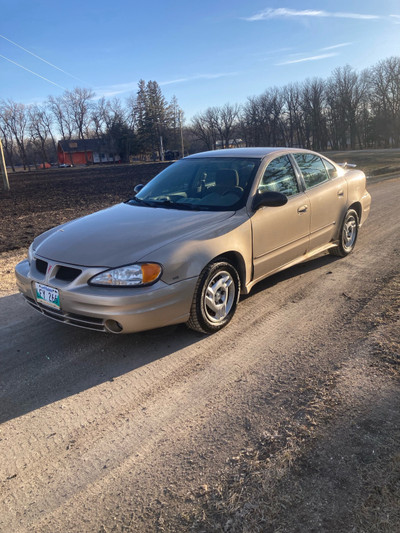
{"x":98,"y":118}
{"x":345,"y":93}
{"x":205,"y":127}
{"x":227,"y":121}
{"x":211,"y":117}
{"x":313,"y":105}
{"x":40,"y":130}
{"x":60,"y":111}
{"x":263,"y":119}
{"x":7,"y":137}
{"x":199,"y":129}
{"x":15,"y":116}
{"x":79,"y":103}
{"x":385,"y":100}
{"x":294,"y":120}
{"x":116,"y":129}
{"x":249,"y":122}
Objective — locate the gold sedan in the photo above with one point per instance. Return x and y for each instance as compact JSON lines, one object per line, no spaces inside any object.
{"x":202,"y":232}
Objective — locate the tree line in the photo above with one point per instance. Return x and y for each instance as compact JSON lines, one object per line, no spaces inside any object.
{"x":133,"y":128}
{"x":348,"y":110}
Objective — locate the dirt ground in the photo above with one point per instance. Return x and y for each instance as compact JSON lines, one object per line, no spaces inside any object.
{"x":285,"y":421}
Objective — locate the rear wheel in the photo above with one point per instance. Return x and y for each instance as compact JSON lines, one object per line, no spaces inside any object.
{"x":348,"y":235}
{"x":215,"y":297}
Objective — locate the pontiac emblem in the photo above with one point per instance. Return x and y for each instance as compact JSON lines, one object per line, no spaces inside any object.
{"x":49,"y":270}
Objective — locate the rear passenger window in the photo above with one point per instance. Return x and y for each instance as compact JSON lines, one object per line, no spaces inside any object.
{"x":332,"y":170}
{"x":313,"y":169}
{"x":279,"y":176}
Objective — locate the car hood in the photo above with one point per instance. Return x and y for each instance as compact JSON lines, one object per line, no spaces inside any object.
{"x":121,"y":234}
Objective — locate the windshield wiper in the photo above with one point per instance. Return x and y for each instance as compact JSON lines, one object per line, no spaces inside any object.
{"x":140,"y":201}
{"x":167,"y":204}
{"x":178,"y":205}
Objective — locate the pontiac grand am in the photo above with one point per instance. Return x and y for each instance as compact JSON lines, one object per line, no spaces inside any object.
{"x":196,"y":237}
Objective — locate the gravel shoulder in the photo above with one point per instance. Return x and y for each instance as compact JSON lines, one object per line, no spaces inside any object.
{"x":287,"y":420}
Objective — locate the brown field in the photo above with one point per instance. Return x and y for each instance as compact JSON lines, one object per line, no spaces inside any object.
{"x":40,"y":200}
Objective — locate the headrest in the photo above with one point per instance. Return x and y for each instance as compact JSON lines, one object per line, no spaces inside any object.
{"x":227,"y":177}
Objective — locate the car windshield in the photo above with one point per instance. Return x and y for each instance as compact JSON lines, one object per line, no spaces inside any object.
{"x":208,"y":183}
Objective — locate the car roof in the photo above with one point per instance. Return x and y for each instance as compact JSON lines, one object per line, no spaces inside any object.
{"x":256,"y":152}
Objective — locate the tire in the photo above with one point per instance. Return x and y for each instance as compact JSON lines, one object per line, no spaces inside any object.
{"x":215,"y":297}
{"x":348,"y":235}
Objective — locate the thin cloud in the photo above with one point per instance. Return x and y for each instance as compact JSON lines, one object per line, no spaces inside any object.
{"x":395,"y":18}
{"x":113,"y":90}
{"x":286,"y":13}
{"x":199,"y":77}
{"x":341,"y":45}
{"x":41,"y":58}
{"x":265,"y":55}
{"x":304,"y":59}
{"x":121,"y":88}
{"x":32,"y":72}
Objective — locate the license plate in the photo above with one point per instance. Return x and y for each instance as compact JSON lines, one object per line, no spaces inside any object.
{"x":47,"y":296}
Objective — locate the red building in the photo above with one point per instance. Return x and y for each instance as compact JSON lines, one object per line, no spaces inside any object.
{"x":85,"y":151}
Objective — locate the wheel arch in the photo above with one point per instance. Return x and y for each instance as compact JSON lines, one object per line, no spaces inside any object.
{"x":344,"y":248}
{"x":357,"y":208}
{"x":237,"y":261}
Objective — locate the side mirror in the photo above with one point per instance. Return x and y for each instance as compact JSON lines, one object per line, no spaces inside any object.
{"x":269,"y":199}
{"x":138,"y":188}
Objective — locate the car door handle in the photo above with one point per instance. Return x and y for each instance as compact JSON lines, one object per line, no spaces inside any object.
{"x":302,"y":209}
{"x":340,"y":193}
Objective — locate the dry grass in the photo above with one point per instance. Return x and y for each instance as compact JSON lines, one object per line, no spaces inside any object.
{"x":8,"y":260}
{"x":375,"y":163}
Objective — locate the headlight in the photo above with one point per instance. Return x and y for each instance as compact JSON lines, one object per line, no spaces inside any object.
{"x":128,"y":276}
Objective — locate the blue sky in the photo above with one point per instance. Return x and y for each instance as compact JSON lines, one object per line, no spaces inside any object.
{"x":206,"y":53}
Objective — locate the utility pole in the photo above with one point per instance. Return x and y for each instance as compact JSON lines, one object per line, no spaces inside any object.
{"x":180,"y":123}
{"x":3,"y":169}
{"x":161,"y":148}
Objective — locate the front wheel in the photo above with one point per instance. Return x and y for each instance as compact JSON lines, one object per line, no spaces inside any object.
{"x":348,"y":235}
{"x":215,"y":297}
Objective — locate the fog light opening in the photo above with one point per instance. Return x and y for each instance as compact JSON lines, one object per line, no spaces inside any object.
{"x":113,"y":326}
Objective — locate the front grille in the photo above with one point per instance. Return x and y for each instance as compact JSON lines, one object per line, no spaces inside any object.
{"x":63,"y":273}
{"x":67,"y":273}
{"x":80,"y":321}
{"x":41,"y":266}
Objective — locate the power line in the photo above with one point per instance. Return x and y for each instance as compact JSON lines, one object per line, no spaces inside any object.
{"x":41,"y":59}
{"x":35,"y":73}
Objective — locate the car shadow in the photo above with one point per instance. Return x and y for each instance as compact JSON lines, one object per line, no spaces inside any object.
{"x":314,"y":263}
{"x":43,"y":361}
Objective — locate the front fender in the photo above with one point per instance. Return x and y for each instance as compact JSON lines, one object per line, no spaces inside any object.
{"x":186,"y":258}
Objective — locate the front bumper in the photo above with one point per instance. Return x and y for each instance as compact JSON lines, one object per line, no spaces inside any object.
{"x":109,"y":309}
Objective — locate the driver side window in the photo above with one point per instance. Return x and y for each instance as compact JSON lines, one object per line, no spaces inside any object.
{"x":313,"y":169}
{"x":279,"y":176}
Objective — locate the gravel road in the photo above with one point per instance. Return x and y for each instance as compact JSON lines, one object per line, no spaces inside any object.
{"x":130,"y":433}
